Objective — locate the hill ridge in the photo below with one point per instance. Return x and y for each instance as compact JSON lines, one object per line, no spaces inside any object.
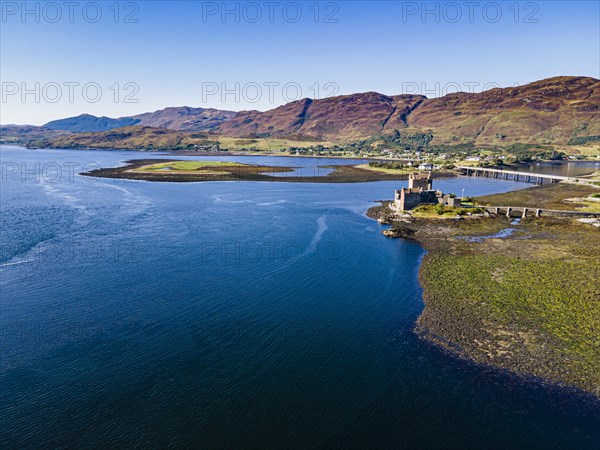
{"x":562,"y":109}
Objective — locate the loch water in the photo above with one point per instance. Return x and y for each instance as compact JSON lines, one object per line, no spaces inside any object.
{"x":235,"y":315}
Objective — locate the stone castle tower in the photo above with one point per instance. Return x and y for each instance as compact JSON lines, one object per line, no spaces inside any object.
{"x":420,"y":180}
{"x":419,"y":191}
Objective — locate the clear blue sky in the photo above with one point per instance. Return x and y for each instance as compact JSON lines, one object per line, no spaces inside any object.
{"x":175,"y":52}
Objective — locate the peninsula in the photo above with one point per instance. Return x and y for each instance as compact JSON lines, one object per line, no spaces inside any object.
{"x":520,"y":294}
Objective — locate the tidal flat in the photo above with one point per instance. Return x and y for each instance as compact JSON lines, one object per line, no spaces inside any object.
{"x":528,"y":301}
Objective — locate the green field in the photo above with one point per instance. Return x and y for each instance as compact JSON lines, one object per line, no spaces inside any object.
{"x":191,"y":165}
{"x":442,"y":212}
{"x":180,"y":171}
{"x":281,"y":145}
{"x":404,"y":171}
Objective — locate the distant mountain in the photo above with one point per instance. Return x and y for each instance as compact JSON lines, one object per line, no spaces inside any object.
{"x":185,"y":118}
{"x":555,"y":110}
{"x":559,"y":110}
{"x":135,"y":137}
{"x":344,"y":117}
{"x":87,"y":123}
{"x":181,"y":118}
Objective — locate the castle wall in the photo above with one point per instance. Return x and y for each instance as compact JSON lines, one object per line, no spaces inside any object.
{"x":411,"y":200}
{"x":406,"y":199}
{"x":454,"y":201}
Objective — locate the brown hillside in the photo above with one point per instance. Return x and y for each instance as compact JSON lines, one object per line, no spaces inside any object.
{"x":554,"y":110}
{"x":342,"y":117}
{"x":185,"y":118}
{"x":560,"y":110}
{"x":546,"y":111}
{"x":133,"y":137}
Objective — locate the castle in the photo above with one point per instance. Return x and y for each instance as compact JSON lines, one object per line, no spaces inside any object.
{"x":420,"y":191}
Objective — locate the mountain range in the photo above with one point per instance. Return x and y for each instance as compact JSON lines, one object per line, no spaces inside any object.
{"x":559,"y":110}
{"x":181,"y":118}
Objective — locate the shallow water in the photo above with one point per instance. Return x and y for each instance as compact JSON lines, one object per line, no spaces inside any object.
{"x":504,"y":233}
{"x":563,"y":168}
{"x":234,"y":314}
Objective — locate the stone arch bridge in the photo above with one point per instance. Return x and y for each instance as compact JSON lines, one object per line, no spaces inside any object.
{"x":526,"y":211}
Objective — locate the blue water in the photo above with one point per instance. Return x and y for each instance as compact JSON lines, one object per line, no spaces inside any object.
{"x":563,"y":168}
{"x":235,"y":314}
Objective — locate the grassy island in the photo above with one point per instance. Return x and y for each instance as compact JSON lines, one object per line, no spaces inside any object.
{"x":207,"y":170}
{"x":522,"y":296}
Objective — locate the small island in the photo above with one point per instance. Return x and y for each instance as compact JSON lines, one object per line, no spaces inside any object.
{"x":516,"y":291}
{"x":161,"y":170}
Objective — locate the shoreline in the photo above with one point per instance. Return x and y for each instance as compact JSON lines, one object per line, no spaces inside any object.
{"x":586,"y":159}
{"x":513,"y":302}
{"x":209,"y":154}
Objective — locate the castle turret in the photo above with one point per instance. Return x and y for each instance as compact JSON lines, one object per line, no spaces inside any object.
{"x":420,"y":180}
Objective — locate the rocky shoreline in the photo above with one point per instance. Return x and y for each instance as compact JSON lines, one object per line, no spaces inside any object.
{"x":484,"y":297}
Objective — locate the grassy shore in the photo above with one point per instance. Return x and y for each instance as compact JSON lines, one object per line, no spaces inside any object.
{"x":528,"y":302}
{"x":549,"y":196}
{"x":403,"y":171}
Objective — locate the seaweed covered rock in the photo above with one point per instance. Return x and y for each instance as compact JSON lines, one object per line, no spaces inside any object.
{"x":399,"y":232}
